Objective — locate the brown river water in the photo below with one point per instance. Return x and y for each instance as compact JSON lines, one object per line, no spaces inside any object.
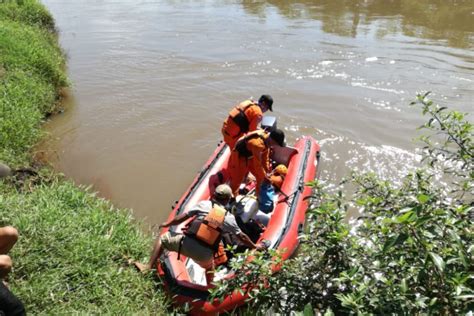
{"x":153,"y":80}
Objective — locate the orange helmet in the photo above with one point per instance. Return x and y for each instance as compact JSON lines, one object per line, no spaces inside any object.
{"x":281,"y":170}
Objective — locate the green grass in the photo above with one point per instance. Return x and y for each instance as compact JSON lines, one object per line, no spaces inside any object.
{"x":70,"y":255}
{"x":24,"y":99}
{"x":27,"y":12}
{"x":33,"y":50}
{"x":31,"y":74}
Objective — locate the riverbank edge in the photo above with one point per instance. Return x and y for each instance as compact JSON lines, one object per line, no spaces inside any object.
{"x":74,"y":247}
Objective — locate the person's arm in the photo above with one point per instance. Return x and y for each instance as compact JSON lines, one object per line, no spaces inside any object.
{"x":261,"y":155}
{"x":255,"y":117}
{"x":248,"y":242}
{"x":176,"y":220}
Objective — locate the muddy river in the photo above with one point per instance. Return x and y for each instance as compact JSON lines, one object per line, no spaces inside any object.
{"x":153,"y":80}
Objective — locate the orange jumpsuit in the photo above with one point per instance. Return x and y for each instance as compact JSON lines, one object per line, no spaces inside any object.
{"x":258,"y":163}
{"x":242,"y":119}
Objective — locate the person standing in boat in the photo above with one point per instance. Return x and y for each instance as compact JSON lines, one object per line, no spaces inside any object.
{"x":252,"y":153}
{"x":201,"y":237}
{"x":244,"y":118}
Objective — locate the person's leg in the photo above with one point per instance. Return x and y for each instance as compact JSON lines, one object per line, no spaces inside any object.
{"x":9,"y":303}
{"x":8,"y":238}
{"x":156,"y":253}
{"x":257,"y":170}
{"x":5,"y":266}
{"x":237,"y":168}
{"x":165,"y":241}
{"x":229,"y":140}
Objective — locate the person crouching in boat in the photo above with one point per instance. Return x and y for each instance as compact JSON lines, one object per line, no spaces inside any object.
{"x":268,"y":188}
{"x":201,"y":237}
{"x":244,"y":118}
{"x":252,"y":153}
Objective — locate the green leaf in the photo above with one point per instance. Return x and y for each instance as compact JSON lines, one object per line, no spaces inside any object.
{"x":409,"y":217}
{"x":329,"y":312}
{"x":423,"y":198}
{"x":308,"y":310}
{"x":437,"y":260}
{"x":403,"y":285}
{"x":395,"y":240}
{"x":421,"y":220}
{"x":389,"y":243}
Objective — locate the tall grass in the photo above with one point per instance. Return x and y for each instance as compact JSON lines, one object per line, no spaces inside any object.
{"x":31,"y":74}
{"x":27,"y":12}
{"x":73,"y":246}
{"x":33,"y":50}
{"x":71,"y":256}
{"x":24,"y":98}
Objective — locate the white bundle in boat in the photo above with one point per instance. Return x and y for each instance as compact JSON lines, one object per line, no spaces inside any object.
{"x":247,"y":208}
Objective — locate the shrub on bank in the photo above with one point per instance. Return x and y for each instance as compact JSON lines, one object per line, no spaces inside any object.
{"x":411,"y":250}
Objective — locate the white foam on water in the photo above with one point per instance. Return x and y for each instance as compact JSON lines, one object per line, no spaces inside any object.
{"x":326,"y":63}
{"x":461,"y":78}
{"x":293,"y":128}
{"x":370,"y":59}
{"x":365,"y":86}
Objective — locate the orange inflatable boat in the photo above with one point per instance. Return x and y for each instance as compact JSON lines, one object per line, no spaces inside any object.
{"x":185,"y":280}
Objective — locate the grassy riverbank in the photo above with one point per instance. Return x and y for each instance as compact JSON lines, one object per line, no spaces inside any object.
{"x":70,"y":255}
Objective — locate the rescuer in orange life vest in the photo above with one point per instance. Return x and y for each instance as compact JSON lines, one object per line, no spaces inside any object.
{"x":201,"y":237}
{"x":252,"y":153}
{"x":245,"y":118}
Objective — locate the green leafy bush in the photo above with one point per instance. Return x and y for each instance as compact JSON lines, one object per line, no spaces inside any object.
{"x":411,"y":250}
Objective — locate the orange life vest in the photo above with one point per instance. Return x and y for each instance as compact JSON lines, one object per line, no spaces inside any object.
{"x":208,"y":229}
{"x":220,"y":256}
{"x":241,"y":145}
{"x":278,"y":176}
{"x":237,"y":114}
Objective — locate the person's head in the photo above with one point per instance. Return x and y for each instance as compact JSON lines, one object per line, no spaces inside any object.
{"x":277,"y":136}
{"x":266,"y":102}
{"x":223,"y":194}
